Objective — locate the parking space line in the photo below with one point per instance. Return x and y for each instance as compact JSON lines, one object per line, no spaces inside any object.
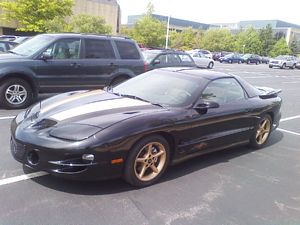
{"x":7,"y":117}
{"x":290,"y":118}
{"x":289,"y":132}
{"x":21,"y":178}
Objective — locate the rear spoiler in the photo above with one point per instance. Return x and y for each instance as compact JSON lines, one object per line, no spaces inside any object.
{"x":266,"y":92}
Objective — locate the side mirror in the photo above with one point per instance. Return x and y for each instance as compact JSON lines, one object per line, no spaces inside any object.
{"x":46,"y":56}
{"x":203,"y":106}
{"x":156,"y":61}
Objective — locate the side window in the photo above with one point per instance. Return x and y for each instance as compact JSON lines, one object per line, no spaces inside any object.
{"x":2,"y":47}
{"x":65,"y":49}
{"x":185,"y":58}
{"x":174,"y":59}
{"x":163,"y":59}
{"x":98,"y":49}
{"x":127,"y":50}
{"x":224,"y":91}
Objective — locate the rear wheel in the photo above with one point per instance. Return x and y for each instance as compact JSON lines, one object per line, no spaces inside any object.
{"x":283,"y":66}
{"x":210,"y":65}
{"x":147,"y":161}
{"x":15,"y":94}
{"x":262,"y":132}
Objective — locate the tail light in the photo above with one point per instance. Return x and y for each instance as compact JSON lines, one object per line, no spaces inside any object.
{"x":145,"y":67}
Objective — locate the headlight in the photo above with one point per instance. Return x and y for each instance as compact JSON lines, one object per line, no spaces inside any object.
{"x":74,"y":132}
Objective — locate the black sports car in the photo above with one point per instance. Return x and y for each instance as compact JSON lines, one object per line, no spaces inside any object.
{"x":138,"y":128}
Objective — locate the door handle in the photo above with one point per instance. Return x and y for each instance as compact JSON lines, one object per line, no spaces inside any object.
{"x":76,"y":65}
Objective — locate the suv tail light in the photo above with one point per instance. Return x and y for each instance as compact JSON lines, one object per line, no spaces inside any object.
{"x":145,"y":67}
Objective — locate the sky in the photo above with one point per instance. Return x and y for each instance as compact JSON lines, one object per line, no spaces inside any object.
{"x":217,"y":11}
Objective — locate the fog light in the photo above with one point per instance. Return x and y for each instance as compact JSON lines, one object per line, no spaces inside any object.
{"x":88,"y":157}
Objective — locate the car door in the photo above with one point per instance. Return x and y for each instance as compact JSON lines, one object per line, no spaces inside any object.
{"x":99,"y":62}
{"x":62,"y":69}
{"x":231,"y":123}
{"x":186,"y":60}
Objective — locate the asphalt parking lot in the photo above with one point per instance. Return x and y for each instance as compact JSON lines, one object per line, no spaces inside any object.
{"x":238,"y":186}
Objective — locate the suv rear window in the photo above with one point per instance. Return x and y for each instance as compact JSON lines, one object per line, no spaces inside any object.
{"x":98,"y":49}
{"x":127,"y":50}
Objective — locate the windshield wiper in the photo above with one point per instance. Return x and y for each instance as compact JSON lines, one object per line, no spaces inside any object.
{"x":137,"y":98}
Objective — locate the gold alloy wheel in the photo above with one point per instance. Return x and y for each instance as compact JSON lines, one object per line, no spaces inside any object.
{"x":150,"y":161}
{"x":263,"y":131}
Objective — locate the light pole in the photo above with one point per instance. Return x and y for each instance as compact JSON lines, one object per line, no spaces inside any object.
{"x":167,"y":36}
{"x":244,"y":49}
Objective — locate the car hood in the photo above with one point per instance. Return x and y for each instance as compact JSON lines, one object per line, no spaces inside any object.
{"x":94,"y":108}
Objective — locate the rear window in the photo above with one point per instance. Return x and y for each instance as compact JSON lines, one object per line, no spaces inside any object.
{"x":127,"y":50}
{"x":98,"y":49}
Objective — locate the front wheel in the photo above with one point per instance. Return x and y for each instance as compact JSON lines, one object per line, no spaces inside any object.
{"x":262,"y":132}
{"x":15,"y":94}
{"x":147,"y":161}
{"x":283,"y":66}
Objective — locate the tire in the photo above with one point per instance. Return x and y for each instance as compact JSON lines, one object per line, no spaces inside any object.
{"x":140,"y":173}
{"x":262,"y":132}
{"x":293,"y":67}
{"x":210,"y":65}
{"x":248,"y":61}
{"x":283,"y":66}
{"x":270,"y":66}
{"x":240,"y":62}
{"x":118,"y":81}
{"x":15,"y":94}
{"x":257,"y":62}
{"x":229,"y":61}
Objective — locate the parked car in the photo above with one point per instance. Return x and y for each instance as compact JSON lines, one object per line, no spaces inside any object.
{"x":207,"y":53}
{"x":231,"y":58}
{"x":217,"y":55}
{"x":63,"y":62}
{"x":13,"y":38}
{"x":167,"y":58}
{"x":283,"y":61}
{"x":5,"y":46}
{"x":298,"y":64}
{"x":251,"y":58}
{"x":141,"y":126}
{"x":265,"y":60}
{"x":201,"y":60}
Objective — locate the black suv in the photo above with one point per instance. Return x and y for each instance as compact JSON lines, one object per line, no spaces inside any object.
{"x":167,"y":58}
{"x":251,"y":58}
{"x":64,"y":62}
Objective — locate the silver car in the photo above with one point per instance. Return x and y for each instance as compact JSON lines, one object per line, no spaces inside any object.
{"x":283,"y":61}
{"x":201,"y":60}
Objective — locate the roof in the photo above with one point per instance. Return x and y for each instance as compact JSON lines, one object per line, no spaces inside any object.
{"x":259,"y":24}
{"x":158,"y":51}
{"x":132,"y":19}
{"x":86,"y":35}
{"x":197,"y":73}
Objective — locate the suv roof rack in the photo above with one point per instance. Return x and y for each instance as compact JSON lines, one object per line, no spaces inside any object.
{"x":106,"y":35}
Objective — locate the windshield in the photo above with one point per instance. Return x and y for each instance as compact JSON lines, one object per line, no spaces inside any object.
{"x":149,"y":56}
{"x":33,"y":45}
{"x":281,"y":57}
{"x":161,"y":87}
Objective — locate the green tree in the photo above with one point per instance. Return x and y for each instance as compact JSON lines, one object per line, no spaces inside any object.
{"x":295,"y":46}
{"x":184,"y":40}
{"x":248,"y":41}
{"x":33,"y":15}
{"x":89,"y":24}
{"x":217,"y":40}
{"x":149,"y":31}
{"x":267,"y":39}
{"x":280,"y":48}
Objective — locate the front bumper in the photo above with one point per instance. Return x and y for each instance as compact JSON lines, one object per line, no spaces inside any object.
{"x":66,"y":163}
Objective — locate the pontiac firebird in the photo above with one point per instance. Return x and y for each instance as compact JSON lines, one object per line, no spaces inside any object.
{"x":138,"y":128}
